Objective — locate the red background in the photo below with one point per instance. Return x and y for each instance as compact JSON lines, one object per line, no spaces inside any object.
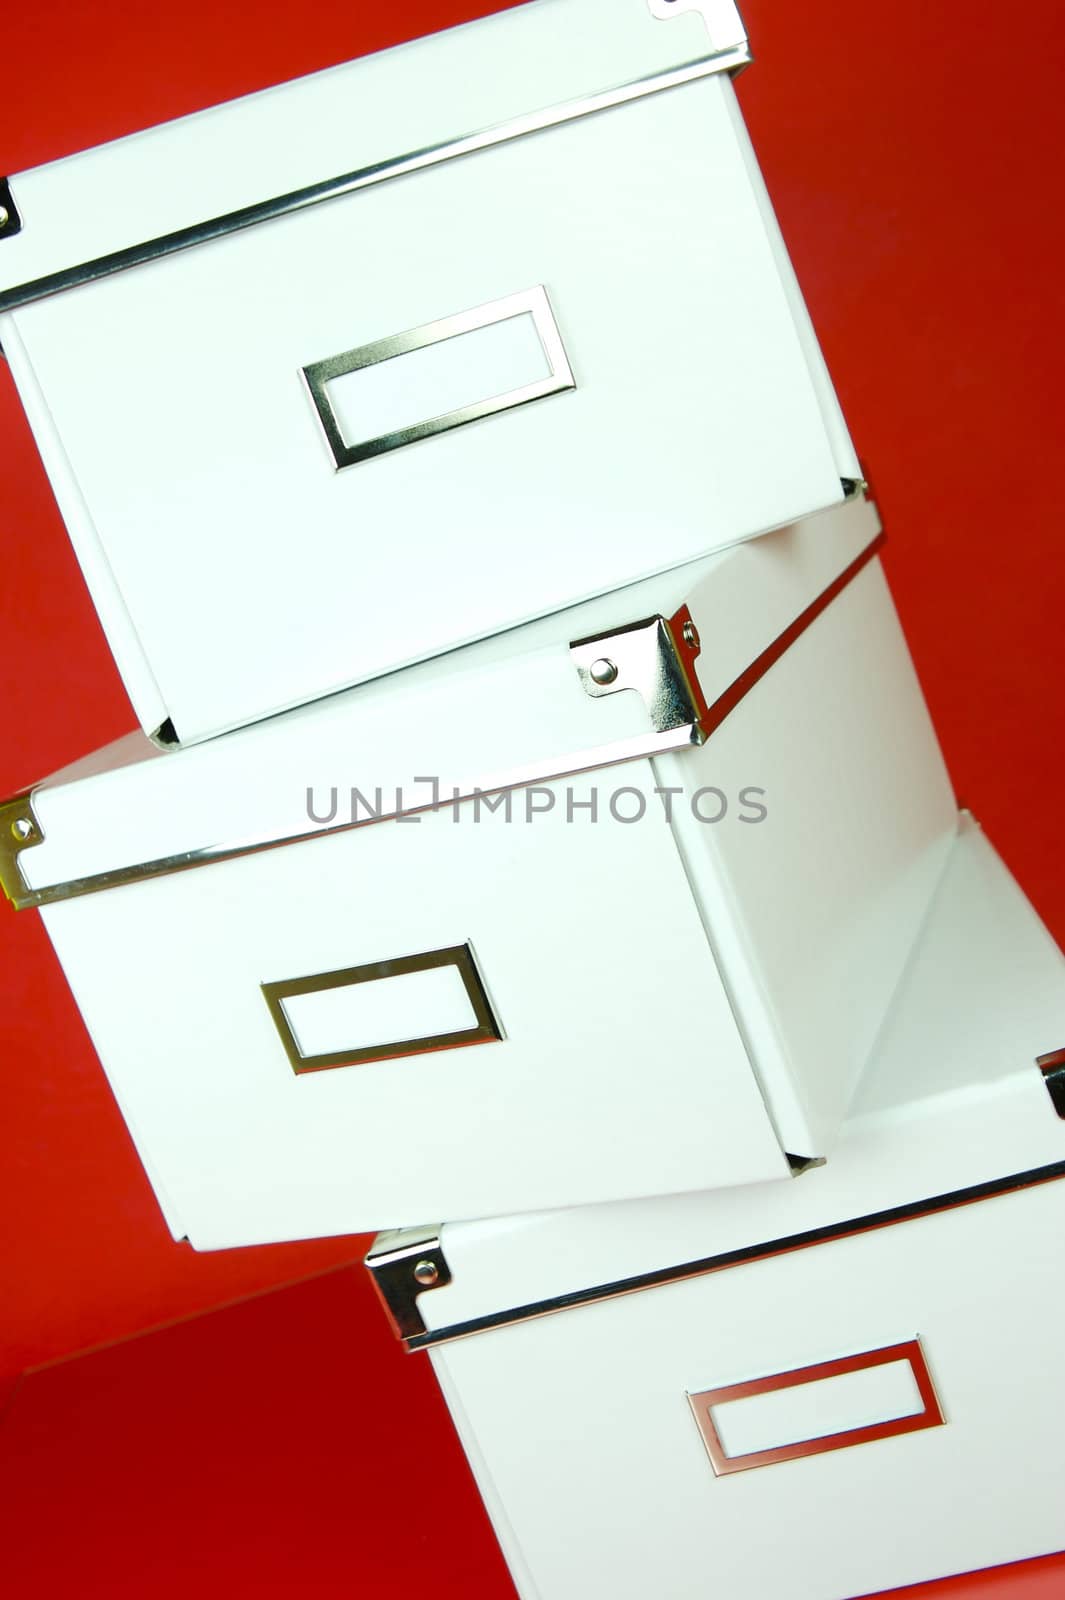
{"x":913,"y":153}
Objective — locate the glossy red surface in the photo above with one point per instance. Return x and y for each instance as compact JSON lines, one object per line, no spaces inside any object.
{"x":282,"y":1446}
{"x":285,"y":1446}
{"x":914,"y":157}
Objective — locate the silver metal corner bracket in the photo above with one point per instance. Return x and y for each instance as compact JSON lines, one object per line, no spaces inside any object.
{"x":406,"y":1263}
{"x":656,"y":658}
{"x":19,"y":830}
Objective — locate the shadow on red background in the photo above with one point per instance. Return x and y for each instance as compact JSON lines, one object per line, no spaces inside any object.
{"x":282,"y":1446}
{"x":914,"y":167}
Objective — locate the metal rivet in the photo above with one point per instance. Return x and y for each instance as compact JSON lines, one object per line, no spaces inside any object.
{"x":22,"y":828}
{"x":426,"y":1273}
{"x":690,"y":634}
{"x":602,"y":671}
{"x":5,"y":216}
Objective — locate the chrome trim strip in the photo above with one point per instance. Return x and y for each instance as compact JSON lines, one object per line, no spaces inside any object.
{"x":731,"y":60}
{"x":726,"y":703}
{"x":747,"y":1254}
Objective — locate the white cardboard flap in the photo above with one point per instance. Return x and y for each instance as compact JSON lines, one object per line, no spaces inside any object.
{"x":348,"y":119}
{"x":950,"y":1099}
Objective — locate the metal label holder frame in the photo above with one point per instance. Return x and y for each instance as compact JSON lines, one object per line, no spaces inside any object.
{"x":703,"y":1403}
{"x":486,"y":1030}
{"x":527,"y":302}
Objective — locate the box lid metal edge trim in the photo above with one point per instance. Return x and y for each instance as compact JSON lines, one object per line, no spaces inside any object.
{"x":678,"y":711}
{"x":680,"y":717}
{"x":420,"y":1338}
{"x":731,"y":60}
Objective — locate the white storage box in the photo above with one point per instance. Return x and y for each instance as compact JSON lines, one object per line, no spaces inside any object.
{"x":549,"y":223}
{"x":898,"y":1388}
{"x":657,"y":976}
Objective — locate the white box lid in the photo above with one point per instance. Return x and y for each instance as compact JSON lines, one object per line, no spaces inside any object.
{"x":507,"y":711}
{"x":247,"y":549}
{"x":343,"y":126}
